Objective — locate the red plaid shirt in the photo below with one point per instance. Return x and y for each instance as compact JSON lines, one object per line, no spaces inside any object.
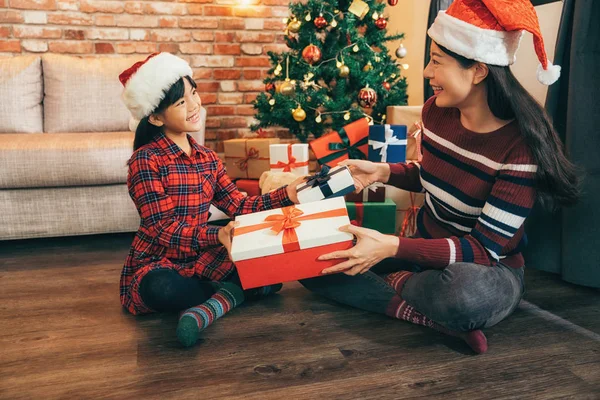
{"x":172,"y":192}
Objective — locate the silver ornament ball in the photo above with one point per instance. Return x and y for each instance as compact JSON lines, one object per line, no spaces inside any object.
{"x":401,"y":52}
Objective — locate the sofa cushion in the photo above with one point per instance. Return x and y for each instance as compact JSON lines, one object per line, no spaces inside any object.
{"x":64,"y":159}
{"x":84,"y":94}
{"x":21,"y":94}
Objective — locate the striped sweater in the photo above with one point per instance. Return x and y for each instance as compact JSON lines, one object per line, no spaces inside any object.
{"x":479,"y":188}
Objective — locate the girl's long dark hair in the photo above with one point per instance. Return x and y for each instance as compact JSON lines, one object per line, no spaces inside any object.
{"x":146,"y":132}
{"x":557,"y":179}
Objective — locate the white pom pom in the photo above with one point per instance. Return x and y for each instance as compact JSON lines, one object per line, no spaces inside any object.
{"x":550,"y":75}
{"x":133,"y":124}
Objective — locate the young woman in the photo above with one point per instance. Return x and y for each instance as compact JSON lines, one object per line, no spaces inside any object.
{"x":177,"y":262}
{"x":489,"y":151}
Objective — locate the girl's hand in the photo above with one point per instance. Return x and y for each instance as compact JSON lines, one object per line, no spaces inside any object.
{"x":226,"y":235}
{"x":371,"y":248}
{"x":291,"y":189}
{"x":366,"y":173}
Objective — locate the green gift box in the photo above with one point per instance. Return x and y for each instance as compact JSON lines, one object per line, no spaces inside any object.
{"x":378,"y":216}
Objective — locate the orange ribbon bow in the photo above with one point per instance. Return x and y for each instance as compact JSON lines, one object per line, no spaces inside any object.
{"x":287,"y":223}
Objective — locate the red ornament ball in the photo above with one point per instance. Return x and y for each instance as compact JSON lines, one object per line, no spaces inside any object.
{"x":387,"y":86}
{"x":367,"y":97}
{"x":381,"y":23}
{"x":311,"y":54}
{"x":392,"y":2}
{"x":270,"y":87}
{"x":320,"y":22}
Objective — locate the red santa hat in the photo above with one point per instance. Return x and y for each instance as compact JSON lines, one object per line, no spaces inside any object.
{"x":490,"y":31}
{"x":146,"y":83}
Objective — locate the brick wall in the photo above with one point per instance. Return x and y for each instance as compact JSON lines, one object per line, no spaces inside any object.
{"x":225,"y":42}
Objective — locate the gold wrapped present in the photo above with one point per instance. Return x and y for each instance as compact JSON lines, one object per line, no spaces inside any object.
{"x":247,"y":158}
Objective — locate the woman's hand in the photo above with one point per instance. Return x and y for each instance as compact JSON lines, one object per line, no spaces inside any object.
{"x":366,"y":173}
{"x":371,"y":248}
{"x":291,"y":189}
{"x":226,"y":235}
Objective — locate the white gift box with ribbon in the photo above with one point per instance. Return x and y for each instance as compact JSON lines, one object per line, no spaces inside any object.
{"x":289,"y":158}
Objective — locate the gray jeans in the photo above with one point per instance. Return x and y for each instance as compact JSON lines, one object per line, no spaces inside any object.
{"x":463,"y":296}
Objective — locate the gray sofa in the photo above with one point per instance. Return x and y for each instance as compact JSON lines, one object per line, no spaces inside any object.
{"x":64,"y":143}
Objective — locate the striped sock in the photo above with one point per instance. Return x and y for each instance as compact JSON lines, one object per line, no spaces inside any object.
{"x":194,"y":320}
{"x":263,"y":291}
{"x":398,"y":308}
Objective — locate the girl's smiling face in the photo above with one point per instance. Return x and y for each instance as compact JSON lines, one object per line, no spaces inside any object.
{"x":451,"y":83}
{"x":183,"y":115}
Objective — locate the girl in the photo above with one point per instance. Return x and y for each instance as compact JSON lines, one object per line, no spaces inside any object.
{"x":489,"y":151}
{"x":177,"y":262}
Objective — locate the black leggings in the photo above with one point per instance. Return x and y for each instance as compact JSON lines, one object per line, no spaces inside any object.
{"x":166,"y":290}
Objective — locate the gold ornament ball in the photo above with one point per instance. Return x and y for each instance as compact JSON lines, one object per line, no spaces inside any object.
{"x":344,"y":71}
{"x":294,"y":26}
{"x":368,"y":67}
{"x":287,"y":89}
{"x":299,"y":114}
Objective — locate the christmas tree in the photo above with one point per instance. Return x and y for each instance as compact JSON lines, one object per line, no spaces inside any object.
{"x":336,"y":71}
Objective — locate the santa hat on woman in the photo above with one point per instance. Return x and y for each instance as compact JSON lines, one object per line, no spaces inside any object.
{"x":146,"y":83}
{"x":490,"y":31}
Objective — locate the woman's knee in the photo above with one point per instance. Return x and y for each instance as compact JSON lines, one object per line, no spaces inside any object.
{"x":463,"y":296}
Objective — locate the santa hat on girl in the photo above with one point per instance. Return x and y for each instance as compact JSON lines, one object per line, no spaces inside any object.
{"x":146,"y":83}
{"x":490,"y":31}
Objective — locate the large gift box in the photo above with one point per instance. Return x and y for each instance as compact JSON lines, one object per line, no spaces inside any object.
{"x":247,"y":158}
{"x":289,"y":158}
{"x":374,"y":193}
{"x":411,"y":117}
{"x":387,"y":143}
{"x":329,"y":182}
{"x":378,"y":216}
{"x":283,"y":245}
{"x":351,"y":141}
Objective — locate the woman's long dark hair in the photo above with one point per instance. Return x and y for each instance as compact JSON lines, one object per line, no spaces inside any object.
{"x":557,"y":179}
{"x":145,"y":131}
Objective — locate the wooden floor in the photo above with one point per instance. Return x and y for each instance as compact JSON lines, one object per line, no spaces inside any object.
{"x":63,"y":334}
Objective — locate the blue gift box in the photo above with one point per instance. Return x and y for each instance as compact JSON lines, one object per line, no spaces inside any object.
{"x":387,"y":143}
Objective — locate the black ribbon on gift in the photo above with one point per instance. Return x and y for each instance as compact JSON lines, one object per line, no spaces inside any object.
{"x":345,"y":147}
{"x":321,"y":180}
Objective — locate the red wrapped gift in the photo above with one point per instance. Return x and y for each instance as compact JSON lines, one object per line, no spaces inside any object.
{"x":352,"y":141}
{"x":283,"y":245}
{"x":249,"y":186}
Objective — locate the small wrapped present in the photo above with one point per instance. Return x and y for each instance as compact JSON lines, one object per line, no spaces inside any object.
{"x":349,"y":142}
{"x":289,"y":158}
{"x":247,"y":158}
{"x":411,"y":117}
{"x":378,"y":216}
{"x":387,"y":143}
{"x":283,"y":245}
{"x":330,"y":182}
{"x":374,"y":193}
{"x":250,"y":186}
{"x":407,"y":207}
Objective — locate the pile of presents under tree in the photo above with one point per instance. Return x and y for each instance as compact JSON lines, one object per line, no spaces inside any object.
{"x":283,"y":244}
